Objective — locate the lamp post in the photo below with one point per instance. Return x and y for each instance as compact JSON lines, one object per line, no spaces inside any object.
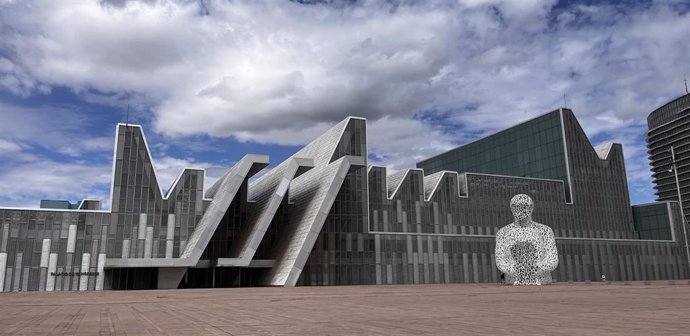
{"x":680,"y":202}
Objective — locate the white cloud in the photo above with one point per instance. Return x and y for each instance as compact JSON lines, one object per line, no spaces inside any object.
{"x":7,"y":146}
{"x":97,"y":143}
{"x":404,"y":142}
{"x":281,"y":72}
{"x":168,"y":168}
{"x":249,"y":67}
{"x":27,"y":182}
{"x":57,"y":129}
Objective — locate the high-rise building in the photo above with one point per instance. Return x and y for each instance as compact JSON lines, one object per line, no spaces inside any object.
{"x":324,"y":217}
{"x":669,"y":130}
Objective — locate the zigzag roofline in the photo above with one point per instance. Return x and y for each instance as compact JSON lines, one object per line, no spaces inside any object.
{"x":153,"y":165}
{"x":444,"y":173}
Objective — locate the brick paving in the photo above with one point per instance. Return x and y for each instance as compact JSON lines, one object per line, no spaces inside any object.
{"x":659,"y":308}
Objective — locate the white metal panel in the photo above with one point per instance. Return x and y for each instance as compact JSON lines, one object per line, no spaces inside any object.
{"x":52,"y":266}
{"x":45,"y":252}
{"x":100,"y":269}
{"x":3,"y":268}
{"x":148,"y":243}
{"x":142,"y":226}
{"x":84,"y":279}
{"x":71,"y":238}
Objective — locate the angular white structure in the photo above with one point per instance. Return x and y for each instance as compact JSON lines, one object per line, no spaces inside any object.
{"x":267,"y":193}
{"x":313,"y":195}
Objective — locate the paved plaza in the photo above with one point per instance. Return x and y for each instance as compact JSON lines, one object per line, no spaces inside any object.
{"x":659,"y":308}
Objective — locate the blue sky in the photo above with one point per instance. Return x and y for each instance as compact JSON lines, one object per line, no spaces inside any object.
{"x":213,"y":80}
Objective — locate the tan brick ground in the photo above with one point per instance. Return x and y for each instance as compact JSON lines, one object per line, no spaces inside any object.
{"x":563,"y":309}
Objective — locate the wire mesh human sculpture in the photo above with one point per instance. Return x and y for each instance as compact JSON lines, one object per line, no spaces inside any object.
{"x":525,"y":250}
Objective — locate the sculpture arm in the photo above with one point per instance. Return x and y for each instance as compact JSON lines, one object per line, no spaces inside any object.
{"x":549,"y":260}
{"x":504,"y":259}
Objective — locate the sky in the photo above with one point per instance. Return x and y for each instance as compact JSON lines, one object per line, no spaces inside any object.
{"x":211,"y":81}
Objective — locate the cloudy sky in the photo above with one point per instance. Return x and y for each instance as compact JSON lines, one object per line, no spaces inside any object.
{"x":213,"y":80}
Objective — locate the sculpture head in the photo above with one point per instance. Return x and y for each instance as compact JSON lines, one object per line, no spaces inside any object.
{"x":521,"y":205}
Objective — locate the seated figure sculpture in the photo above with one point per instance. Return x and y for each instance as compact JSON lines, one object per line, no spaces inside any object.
{"x":525,"y":250}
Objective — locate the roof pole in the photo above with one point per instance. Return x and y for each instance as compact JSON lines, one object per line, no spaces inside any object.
{"x":680,"y":202}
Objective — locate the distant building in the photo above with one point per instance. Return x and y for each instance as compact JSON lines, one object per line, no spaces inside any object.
{"x":59,"y":204}
{"x":86,"y":204}
{"x":324,"y":217}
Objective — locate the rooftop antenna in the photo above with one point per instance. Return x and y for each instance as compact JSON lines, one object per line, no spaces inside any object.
{"x":565,"y":101}
{"x":685,"y":79}
{"x":127,"y":120}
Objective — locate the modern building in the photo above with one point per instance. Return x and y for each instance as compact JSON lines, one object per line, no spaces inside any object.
{"x":325,"y":217}
{"x":669,"y":128}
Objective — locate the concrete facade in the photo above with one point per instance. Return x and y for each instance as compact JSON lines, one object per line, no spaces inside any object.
{"x":325,"y":217}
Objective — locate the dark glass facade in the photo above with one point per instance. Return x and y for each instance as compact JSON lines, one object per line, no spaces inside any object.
{"x":532,"y":149}
{"x":594,"y":184}
{"x":652,"y":222}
